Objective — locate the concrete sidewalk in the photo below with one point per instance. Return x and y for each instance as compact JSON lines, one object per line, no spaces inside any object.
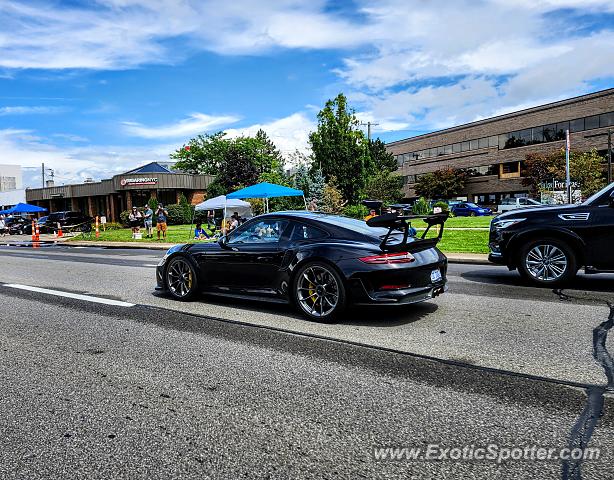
{"x":26,"y":241}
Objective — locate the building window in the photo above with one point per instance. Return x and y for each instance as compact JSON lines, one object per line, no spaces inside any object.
{"x":456,"y":147}
{"x":591,"y":122}
{"x":473,"y":145}
{"x":509,"y":170}
{"x":561,"y":128}
{"x":465,"y":146}
{"x":483,"y":143}
{"x":576,"y":125}
{"x":447,"y":149}
{"x":440,"y":151}
{"x":606,"y":119}
{"x":503,"y":138}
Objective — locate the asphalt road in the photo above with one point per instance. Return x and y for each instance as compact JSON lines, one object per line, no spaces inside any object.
{"x":180,"y":390}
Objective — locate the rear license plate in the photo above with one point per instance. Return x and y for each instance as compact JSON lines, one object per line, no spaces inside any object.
{"x":435,"y":276}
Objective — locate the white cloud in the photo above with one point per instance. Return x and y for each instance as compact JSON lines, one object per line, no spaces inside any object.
{"x":73,"y":164}
{"x":289,"y":133}
{"x":29,"y":110}
{"x":195,"y":123}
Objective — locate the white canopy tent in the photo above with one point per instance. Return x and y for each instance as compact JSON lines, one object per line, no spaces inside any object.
{"x":244,"y":209}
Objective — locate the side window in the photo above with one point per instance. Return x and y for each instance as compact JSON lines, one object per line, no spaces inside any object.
{"x":262,"y":232}
{"x":306,"y":232}
{"x":522,"y":201}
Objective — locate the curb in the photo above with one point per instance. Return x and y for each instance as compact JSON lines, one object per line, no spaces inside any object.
{"x":470,"y":259}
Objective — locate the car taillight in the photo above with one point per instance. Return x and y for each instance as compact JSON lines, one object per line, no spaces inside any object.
{"x":401,"y":257}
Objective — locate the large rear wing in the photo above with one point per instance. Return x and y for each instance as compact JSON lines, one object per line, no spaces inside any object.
{"x":394,"y":222}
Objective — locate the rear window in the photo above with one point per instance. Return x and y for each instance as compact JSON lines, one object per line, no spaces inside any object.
{"x":54,"y":217}
{"x":359,"y":226}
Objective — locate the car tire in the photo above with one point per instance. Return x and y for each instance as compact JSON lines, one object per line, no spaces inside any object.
{"x":547,"y":262}
{"x":180,"y":278}
{"x":318,"y":292}
{"x":472,"y":214}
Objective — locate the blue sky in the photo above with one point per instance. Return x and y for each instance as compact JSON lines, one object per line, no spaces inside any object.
{"x":96,"y":88}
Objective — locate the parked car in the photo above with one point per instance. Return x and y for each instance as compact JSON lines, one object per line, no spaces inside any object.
{"x":508,"y":204}
{"x":321,"y":263}
{"x":468,"y":209}
{"x":42,"y":226}
{"x":68,"y":219}
{"x":16,"y":225}
{"x":549,"y":244}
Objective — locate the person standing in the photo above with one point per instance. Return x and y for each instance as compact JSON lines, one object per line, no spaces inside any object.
{"x":162,"y":217}
{"x":135,"y":221}
{"x":148,"y":215}
{"x":2,"y":226}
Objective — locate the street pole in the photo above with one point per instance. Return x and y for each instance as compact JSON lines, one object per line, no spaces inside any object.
{"x":567,"y":176}
{"x":609,"y":156}
{"x":43,"y":174}
{"x":368,"y":124}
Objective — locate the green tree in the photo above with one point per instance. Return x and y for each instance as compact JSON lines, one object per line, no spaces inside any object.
{"x":332,"y":198}
{"x":381,"y":160}
{"x":302,"y":179}
{"x":235,"y":162}
{"x":340,"y":148}
{"x":316,"y":187}
{"x":203,"y":154}
{"x":585,"y":168}
{"x":444,"y":183}
{"x":385,"y":186}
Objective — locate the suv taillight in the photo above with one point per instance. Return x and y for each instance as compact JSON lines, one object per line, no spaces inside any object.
{"x":401,"y":257}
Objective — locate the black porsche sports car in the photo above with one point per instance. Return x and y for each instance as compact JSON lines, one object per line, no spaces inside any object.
{"x":319,"y":262}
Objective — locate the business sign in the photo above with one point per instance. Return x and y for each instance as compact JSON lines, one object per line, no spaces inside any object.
{"x":126,"y":182}
{"x":557,"y":185}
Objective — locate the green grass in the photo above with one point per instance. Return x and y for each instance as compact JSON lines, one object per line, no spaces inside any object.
{"x":468,"y":222}
{"x":174,"y":234}
{"x":453,"y":241}
{"x":464,"y":241}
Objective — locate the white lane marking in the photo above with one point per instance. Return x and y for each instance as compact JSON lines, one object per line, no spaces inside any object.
{"x":76,"y":296}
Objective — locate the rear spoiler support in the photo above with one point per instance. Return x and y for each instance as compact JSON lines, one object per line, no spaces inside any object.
{"x":402,"y":223}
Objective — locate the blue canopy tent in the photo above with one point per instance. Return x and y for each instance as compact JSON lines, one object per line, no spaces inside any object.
{"x":24,"y":208}
{"x":266,"y":190}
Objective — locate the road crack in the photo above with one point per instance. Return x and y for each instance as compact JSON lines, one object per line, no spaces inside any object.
{"x":584,"y":427}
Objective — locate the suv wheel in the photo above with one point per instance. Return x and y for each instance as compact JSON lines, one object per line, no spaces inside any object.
{"x":547,"y":262}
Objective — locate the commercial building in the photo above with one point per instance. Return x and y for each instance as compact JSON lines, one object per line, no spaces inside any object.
{"x":110,"y":197}
{"x":493,"y":150}
{"x":10,"y":178}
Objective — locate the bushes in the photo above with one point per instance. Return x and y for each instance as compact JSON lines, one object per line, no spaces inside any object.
{"x":123,"y":218}
{"x":356,"y":211}
{"x":443,"y":205}
{"x":421,"y":207}
{"x":111,"y":226}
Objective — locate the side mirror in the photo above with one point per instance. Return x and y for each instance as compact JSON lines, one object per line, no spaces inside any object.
{"x":611,"y":202}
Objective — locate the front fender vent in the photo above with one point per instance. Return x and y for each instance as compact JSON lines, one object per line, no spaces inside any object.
{"x":570,"y":217}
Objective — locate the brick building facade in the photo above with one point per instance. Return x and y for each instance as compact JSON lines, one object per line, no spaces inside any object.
{"x":493,"y":150}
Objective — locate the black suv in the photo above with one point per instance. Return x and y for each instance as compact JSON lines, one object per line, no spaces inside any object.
{"x":549,"y":244}
{"x":68,"y":219}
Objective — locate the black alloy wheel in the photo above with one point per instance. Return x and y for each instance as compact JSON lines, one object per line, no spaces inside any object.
{"x":181,"y":280}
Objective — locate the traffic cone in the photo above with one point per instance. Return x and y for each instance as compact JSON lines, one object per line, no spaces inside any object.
{"x":97,"y":229}
{"x":38,"y":232}
{"x":60,"y":234}
{"x":33,"y":231}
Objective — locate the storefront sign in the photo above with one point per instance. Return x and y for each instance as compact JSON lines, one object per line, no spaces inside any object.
{"x":124,"y":182}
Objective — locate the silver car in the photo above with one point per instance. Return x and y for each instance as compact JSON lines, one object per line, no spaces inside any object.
{"x":508,"y":204}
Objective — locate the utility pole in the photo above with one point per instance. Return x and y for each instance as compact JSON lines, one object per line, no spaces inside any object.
{"x":43,"y":174}
{"x":368,"y":124}
{"x":609,"y":156}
